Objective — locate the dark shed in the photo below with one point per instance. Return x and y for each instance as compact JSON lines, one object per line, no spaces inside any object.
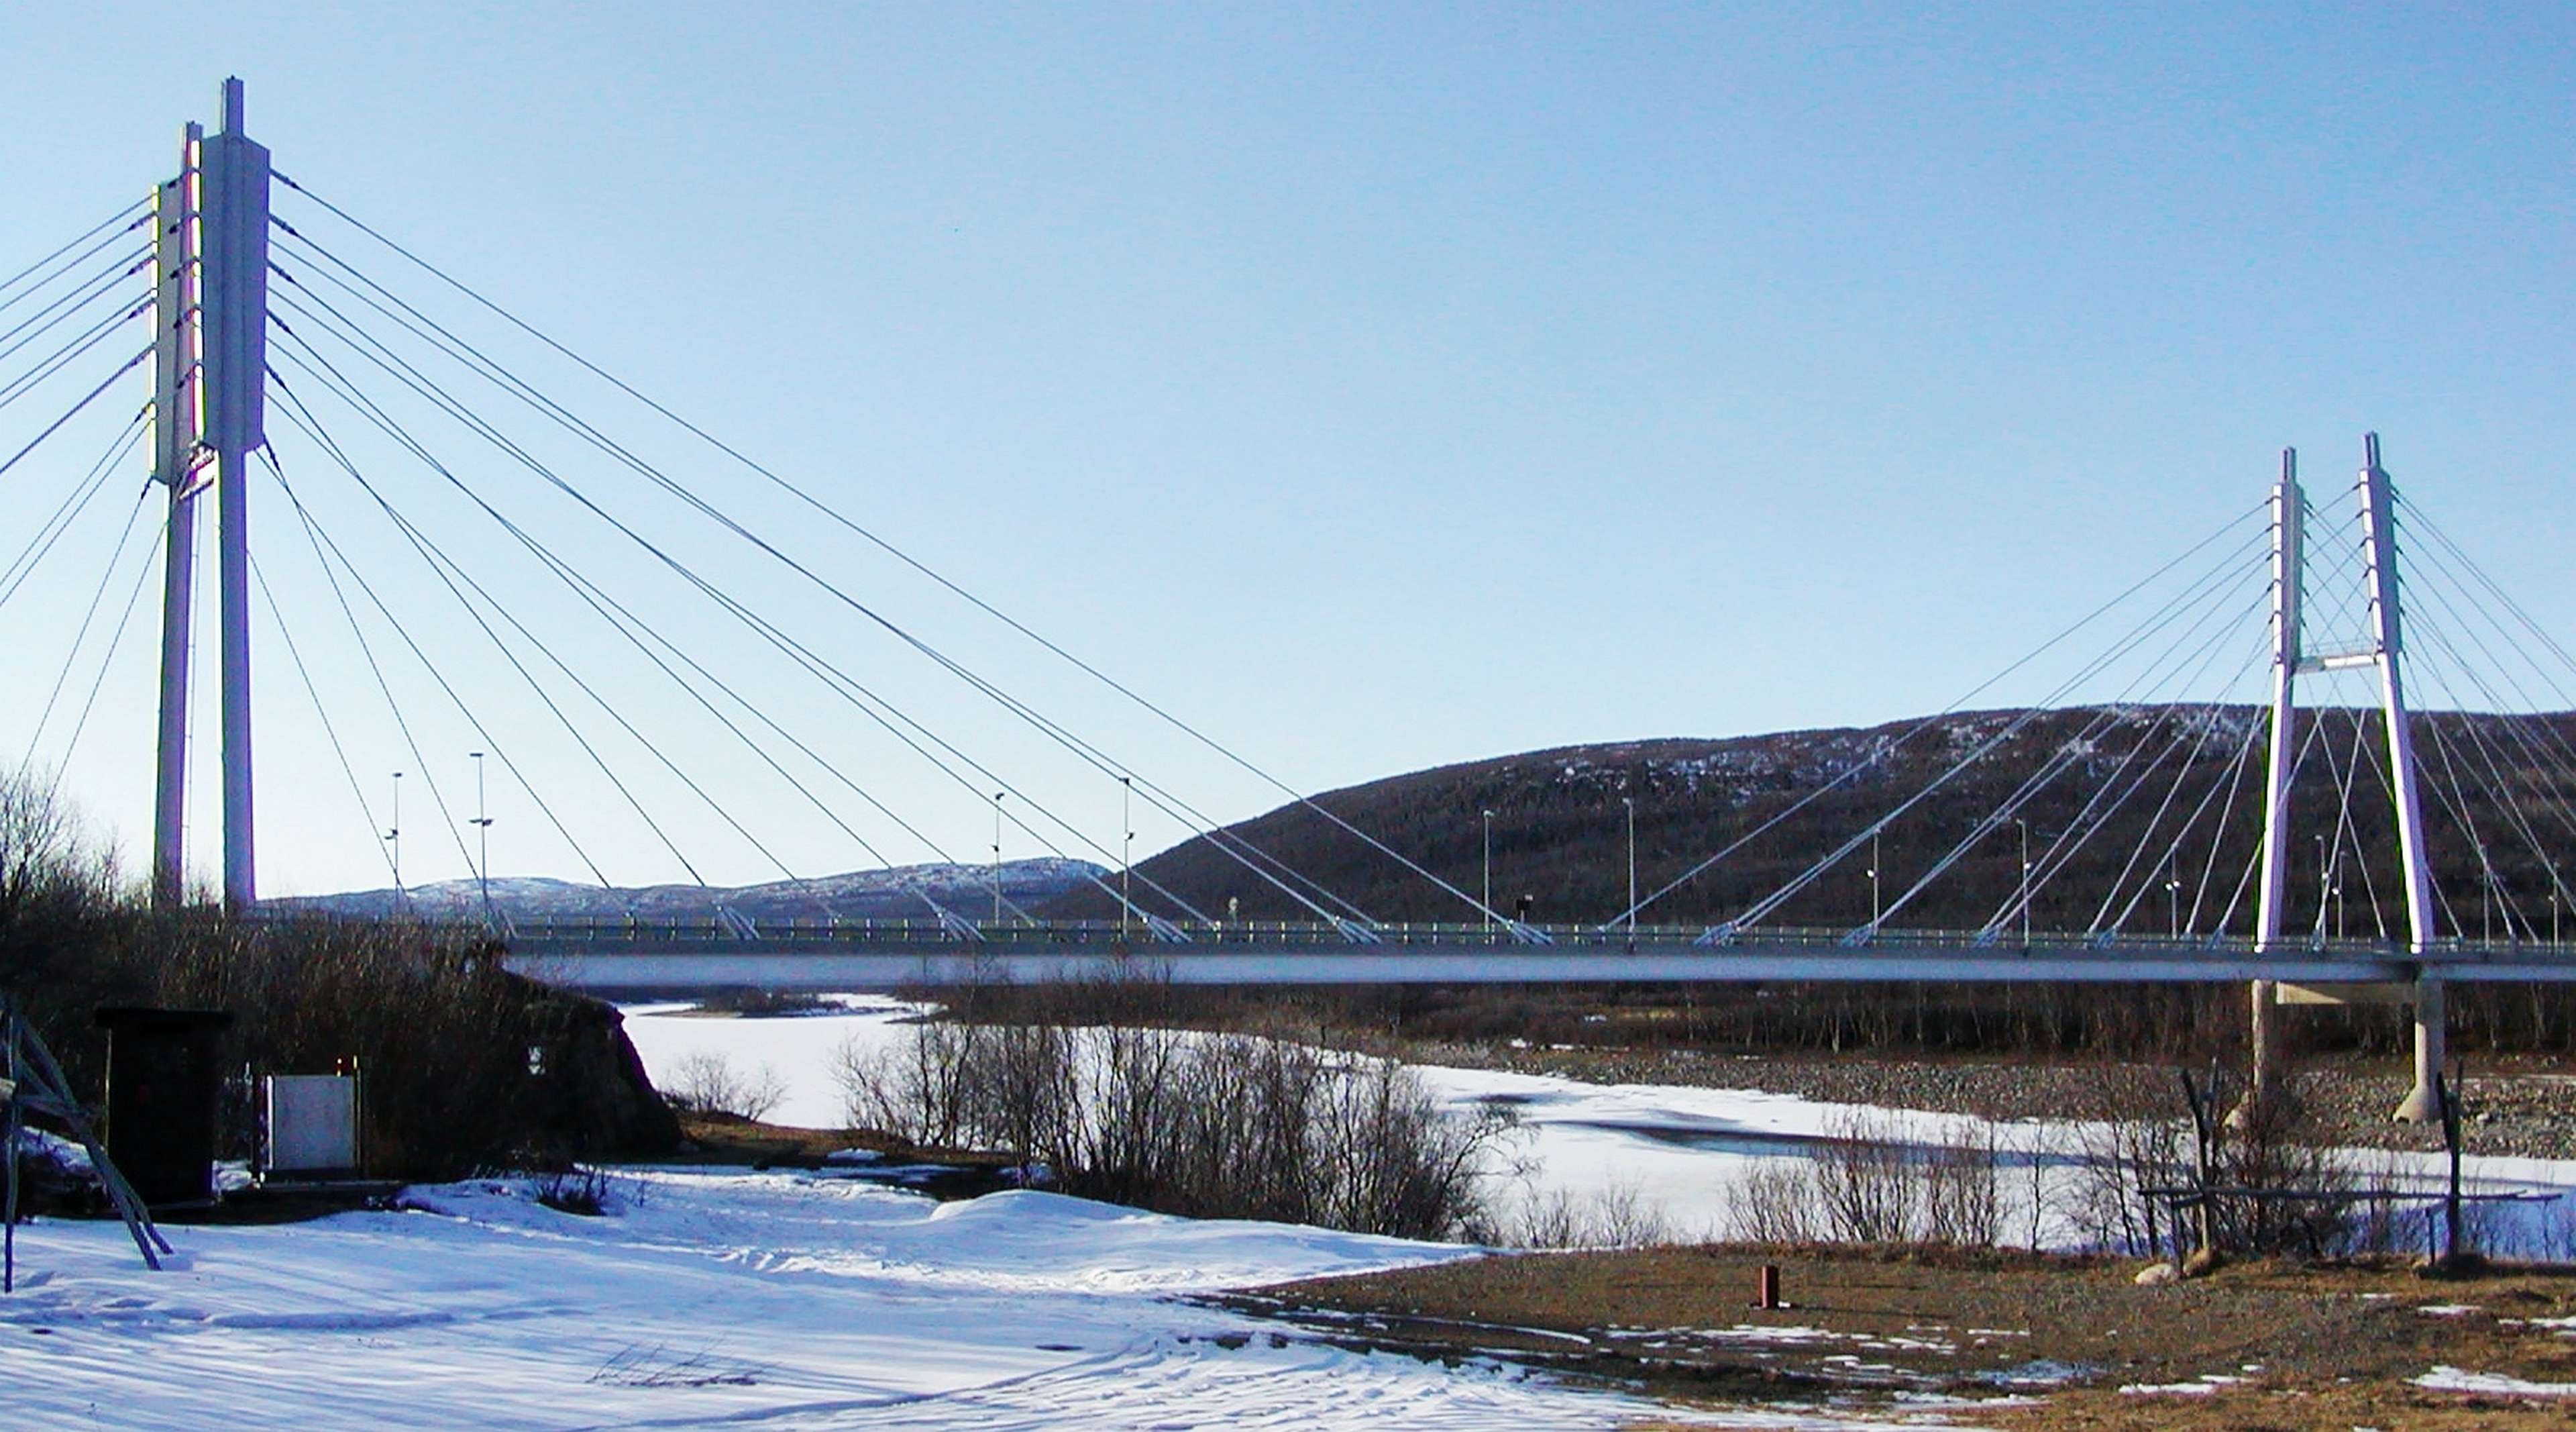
{"x":163,"y":1076}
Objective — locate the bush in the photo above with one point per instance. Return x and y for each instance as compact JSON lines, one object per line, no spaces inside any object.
{"x":706,"y":1082}
{"x":580,"y":1191}
{"x":1614,"y":1217}
{"x":1771,"y":1204}
{"x":1206,"y":1125}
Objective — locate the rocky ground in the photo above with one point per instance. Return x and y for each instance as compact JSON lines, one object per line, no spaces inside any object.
{"x":2524,"y":1108}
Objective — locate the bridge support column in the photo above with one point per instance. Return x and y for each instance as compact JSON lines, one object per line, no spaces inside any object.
{"x":234,"y":292}
{"x":2263,"y":1053}
{"x":2288,"y":564}
{"x":2432,"y":1048}
{"x":176,"y":437}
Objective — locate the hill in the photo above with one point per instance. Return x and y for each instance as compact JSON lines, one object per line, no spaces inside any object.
{"x":2133,"y":776}
{"x":894,"y":893}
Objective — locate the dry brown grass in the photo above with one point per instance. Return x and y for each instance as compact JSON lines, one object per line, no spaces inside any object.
{"x":2335,"y":1347}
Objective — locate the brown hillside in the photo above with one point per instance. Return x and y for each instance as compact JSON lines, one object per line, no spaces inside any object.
{"x":2133,"y":776}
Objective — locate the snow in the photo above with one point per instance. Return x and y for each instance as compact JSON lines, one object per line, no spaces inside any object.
{"x":2452,"y":1379}
{"x":791,"y":1299}
{"x":1675,"y":1152}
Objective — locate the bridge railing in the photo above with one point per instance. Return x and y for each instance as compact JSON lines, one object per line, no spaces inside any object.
{"x":1108,"y":935}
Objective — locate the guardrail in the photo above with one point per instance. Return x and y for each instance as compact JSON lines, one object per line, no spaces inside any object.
{"x":1177,"y":937}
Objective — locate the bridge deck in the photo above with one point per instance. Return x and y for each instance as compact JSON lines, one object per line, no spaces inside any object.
{"x":890,"y":954}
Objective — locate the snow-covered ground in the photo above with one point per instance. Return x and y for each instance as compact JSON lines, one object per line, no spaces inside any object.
{"x":811,"y":1300}
{"x":784,"y":1300}
{"x":1672,"y":1152}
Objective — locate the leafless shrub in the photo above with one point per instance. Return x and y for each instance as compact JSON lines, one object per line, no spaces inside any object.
{"x":1963,"y":1192}
{"x":1771,"y":1204}
{"x":1221,"y":1125}
{"x":2276,"y":1146}
{"x":1614,"y":1217}
{"x":1863,"y":1182}
{"x":583,"y":1192}
{"x":918,"y":1091}
{"x":2130,"y":1137}
{"x":706,"y":1082}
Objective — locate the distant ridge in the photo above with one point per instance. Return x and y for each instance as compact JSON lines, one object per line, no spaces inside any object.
{"x":1560,"y":829}
{"x":894,"y":893}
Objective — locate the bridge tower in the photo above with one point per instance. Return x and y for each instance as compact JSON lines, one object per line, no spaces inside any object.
{"x":2289,"y":662}
{"x":209,"y":408}
{"x":2288,"y":577}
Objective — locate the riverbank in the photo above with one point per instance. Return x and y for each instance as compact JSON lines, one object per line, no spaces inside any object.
{"x":2523,"y":1108}
{"x":1992,"y":1338}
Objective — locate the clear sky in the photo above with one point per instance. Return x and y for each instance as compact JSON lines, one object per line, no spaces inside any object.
{"x":1389,"y":385}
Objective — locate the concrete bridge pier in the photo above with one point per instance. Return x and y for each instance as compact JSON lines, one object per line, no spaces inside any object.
{"x":2432,"y":1046}
{"x":2263,"y":1052}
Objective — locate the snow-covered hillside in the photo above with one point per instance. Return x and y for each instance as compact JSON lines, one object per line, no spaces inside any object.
{"x":895,"y":893}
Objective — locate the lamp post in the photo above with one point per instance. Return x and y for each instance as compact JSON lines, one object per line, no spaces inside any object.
{"x":1631,"y":803}
{"x":2025,"y":880}
{"x":1874,"y":907}
{"x":1127,"y":850}
{"x":997,"y":857}
{"x":2334,"y":887}
{"x":2325,"y":884}
{"x":2486,"y":899}
{"x":393,"y":837}
{"x":482,"y":839}
{"x":1487,"y":897}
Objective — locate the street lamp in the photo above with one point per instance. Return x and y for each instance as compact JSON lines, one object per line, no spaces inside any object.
{"x":2173,"y":899}
{"x":1874,"y":910}
{"x":2486,"y":899}
{"x":2025,"y":880}
{"x":1488,"y":896}
{"x":1631,"y":803}
{"x":483,"y":839}
{"x":393,"y":836}
{"x":997,"y":857}
{"x":1127,"y":851}
{"x":2324,"y":884}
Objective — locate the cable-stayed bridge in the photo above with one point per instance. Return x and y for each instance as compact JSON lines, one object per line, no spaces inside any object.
{"x":2231,"y":771}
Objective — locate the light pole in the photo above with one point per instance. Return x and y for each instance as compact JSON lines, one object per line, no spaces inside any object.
{"x":483,"y":839}
{"x":2325,"y":884}
{"x":1874,"y":909}
{"x":2486,"y":899}
{"x":997,"y":857}
{"x":2173,"y":899}
{"x":2025,"y":880}
{"x":1127,"y":851}
{"x":1488,"y":897}
{"x":1631,"y":803}
{"x":2334,"y":887}
{"x":393,"y":836}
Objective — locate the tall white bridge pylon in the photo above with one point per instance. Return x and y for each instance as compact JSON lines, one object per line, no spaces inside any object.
{"x":2382,"y":655}
{"x":210,"y":351}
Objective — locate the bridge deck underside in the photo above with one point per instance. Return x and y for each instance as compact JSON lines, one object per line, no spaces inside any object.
{"x":683,"y":964}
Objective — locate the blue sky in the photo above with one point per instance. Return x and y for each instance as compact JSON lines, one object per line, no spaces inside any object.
{"x":1383,"y":386}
